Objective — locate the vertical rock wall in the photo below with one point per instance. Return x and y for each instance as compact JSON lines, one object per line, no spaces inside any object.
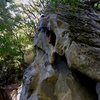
{"x":70,"y":69}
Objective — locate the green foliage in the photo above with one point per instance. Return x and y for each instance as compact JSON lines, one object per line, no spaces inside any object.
{"x":97,"y":5}
{"x":13,"y":42}
{"x":72,"y":3}
{"x":65,"y":2}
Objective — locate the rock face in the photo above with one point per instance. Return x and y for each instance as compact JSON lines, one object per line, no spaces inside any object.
{"x":70,"y":69}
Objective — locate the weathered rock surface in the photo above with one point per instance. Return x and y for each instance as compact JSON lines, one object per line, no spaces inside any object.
{"x":70,"y":70}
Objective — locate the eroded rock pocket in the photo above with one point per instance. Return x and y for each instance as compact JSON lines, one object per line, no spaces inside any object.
{"x":52,"y":37}
{"x":86,"y":82}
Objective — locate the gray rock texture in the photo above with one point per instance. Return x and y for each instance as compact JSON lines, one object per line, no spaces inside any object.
{"x":69,"y":70}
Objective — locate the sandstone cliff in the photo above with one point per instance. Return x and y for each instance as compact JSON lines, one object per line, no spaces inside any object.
{"x":68,"y":66}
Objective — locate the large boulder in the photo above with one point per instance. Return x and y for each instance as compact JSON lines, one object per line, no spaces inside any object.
{"x":70,"y":69}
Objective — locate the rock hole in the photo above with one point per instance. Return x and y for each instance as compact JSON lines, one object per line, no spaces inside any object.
{"x":86,"y":82}
{"x":60,"y":63}
{"x":52,"y":37}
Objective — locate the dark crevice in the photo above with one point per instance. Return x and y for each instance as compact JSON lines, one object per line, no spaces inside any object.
{"x":52,"y":37}
{"x":60,"y":63}
{"x":86,"y":82}
{"x":38,"y":48}
{"x":59,"y":57}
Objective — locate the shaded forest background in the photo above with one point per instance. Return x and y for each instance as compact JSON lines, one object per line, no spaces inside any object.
{"x":18,"y":21}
